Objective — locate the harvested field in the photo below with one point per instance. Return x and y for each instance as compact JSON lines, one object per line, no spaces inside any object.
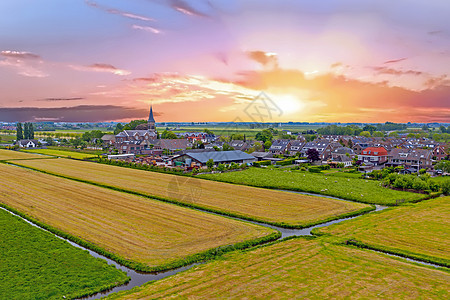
{"x":301,"y":268}
{"x":134,"y":229}
{"x":11,"y":155}
{"x":419,"y":230}
{"x":62,"y":153}
{"x":275,"y":207}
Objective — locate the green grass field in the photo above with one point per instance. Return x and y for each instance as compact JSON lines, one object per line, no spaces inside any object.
{"x":62,"y":153}
{"x":301,"y":268}
{"x":7,"y":138}
{"x":420,"y":230}
{"x":35,"y":264}
{"x":367,"y":191}
{"x":264,"y":205}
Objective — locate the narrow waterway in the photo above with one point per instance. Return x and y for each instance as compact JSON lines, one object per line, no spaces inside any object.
{"x":140,"y":278}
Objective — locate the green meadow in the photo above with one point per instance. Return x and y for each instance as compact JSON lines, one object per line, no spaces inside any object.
{"x":37,"y":265}
{"x":361,"y":190}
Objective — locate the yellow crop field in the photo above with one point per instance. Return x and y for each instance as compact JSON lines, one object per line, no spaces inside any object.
{"x":276,"y":207}
{"x":301,"y":269}
{"x":11,"y":154}
{"x":134,"y":228}
{"x":420,"y":230}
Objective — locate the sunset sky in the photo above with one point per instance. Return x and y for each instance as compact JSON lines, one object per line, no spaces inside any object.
{"x":319,"y":61}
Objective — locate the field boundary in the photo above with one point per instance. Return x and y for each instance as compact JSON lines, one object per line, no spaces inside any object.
{"x":206,"y":209}
{"x":403,"y":253}
{"x":194,"y":258}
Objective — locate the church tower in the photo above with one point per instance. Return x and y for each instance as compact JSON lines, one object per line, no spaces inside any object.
{"x":151,"y":120}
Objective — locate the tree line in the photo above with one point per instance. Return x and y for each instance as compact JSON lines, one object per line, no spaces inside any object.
{"x":25,"y":132}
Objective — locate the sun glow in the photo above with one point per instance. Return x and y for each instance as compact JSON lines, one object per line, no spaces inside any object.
{"x":288,"y":103}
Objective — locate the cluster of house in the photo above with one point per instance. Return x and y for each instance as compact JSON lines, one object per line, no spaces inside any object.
{"x":411,"y":153}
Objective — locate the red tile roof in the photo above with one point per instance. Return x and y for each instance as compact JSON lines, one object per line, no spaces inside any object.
{"x":375,"y":151}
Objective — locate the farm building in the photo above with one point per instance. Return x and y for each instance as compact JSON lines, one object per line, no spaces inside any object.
{"x":218,"y":157}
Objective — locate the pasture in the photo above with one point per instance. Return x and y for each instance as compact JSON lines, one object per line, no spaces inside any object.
{"x":366,"y":191}
{"x":37,"y":265}
{"x":301,"y":268}
{"x":12,"y":155}
{"x":141,"y":233}
{"x":420,"y":230}
{"x":274,"y":207}
{"x":62,"y":153}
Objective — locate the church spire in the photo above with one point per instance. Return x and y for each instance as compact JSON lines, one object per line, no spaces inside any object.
{"x":151,"y":119}
{"x":150,"y":116}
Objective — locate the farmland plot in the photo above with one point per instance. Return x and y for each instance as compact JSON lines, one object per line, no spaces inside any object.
{"x":136,"y":231}
{"x":275,"y":207}
{"x":367,"y":191}
{"x":419,"y":230}
{"x":11,"y":155}
{"x":301,"y":268}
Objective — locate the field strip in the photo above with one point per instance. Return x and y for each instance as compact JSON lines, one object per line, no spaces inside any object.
{"x":37,"y":265}
{"x":18,"y":155}
{"x":419,"y":231}
{"x":62,"y":153}
{"x":301,"y":268}
{"x":278,"y":208}
{"x":137,"y":232}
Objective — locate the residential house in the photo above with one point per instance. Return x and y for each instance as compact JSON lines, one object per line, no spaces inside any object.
{"x":197,"y":137}
{"x":214,"y":145}
{"x":295,"y":147}
{"x":322,"y":146}
{"x":280,"y":146}
{"x":134,"y":141}
{"x":410,"y":158}
{"x":239,"y":145}
{"x":343,"y":155}
{"x":199,"y":159}
{"x":109,"y":139}
{"x":374,"y":155}
{"x":439,"y":153}
{"x":28,"y":143}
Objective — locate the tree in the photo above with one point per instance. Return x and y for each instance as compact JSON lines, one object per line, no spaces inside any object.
{"x":369,"y":128}
{"x":31,"y":131}
{"x":425,"y":127}
{"x":206,"y":130}
{"x":313,"y":154}
{"x":227,"y":147}
{"x":377,"y":134}
{"x":118,"y":129}
{"x":365,"y":134}
{"x":168,"y":135}
{"x":26,"y":130}
{"x":19,"y":134}
{"x":210,"y":163}
{"x":264,"y":136}
{"x":132,"y":125}
{"x":393,"y":134}
{"x":443,"y":165}
{"x":267,"y":144}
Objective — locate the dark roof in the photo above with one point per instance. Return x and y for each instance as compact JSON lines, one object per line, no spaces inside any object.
{"x":172,"y":144}
{"x":220,"y":156}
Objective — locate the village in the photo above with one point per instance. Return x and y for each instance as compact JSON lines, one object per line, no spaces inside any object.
{"x":195,"y":151}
